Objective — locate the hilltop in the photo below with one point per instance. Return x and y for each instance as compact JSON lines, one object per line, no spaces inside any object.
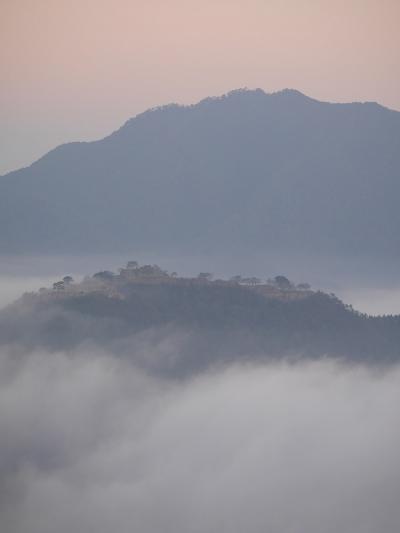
{"x":196,"y":322}
{"x":133,"y":275}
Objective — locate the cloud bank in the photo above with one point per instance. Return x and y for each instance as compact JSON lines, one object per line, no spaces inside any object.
{"x":90,"y":443}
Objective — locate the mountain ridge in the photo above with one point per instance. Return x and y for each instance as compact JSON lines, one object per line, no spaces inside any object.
{"x":248,"y":170}
{"x":287,"y":92}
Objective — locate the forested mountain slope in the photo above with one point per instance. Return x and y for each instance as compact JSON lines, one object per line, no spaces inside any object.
{"x":191,"y":323}
{"x":247,"y":171}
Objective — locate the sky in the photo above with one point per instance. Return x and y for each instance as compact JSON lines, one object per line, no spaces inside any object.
{"x":77,"y":69}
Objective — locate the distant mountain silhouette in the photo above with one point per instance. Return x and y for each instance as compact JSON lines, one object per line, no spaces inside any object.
{"x":246,"y":171}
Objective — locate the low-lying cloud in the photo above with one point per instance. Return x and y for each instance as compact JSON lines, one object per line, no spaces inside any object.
{"x":89,"y":443}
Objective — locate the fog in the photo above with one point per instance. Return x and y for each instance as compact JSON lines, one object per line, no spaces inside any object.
{"x":373,"y":301}
{"x":12,"y":287}
{"x":94,"y":441}
{"x":91,"y":443}
{"x":19,"y":274}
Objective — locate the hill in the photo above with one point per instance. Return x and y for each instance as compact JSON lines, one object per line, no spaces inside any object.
{"x":191,"y":323}
{"x":246,"y":172}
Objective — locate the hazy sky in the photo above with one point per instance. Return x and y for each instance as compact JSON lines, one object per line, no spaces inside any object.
{"x":77,"y":69}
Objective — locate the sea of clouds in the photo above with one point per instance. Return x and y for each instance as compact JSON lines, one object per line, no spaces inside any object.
{"x":90,"y":443}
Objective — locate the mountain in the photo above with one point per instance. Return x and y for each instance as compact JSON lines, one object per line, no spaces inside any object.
{"x":181,"y":325}
{"x":245,"y":172}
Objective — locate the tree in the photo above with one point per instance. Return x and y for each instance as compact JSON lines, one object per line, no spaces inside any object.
{"x":282,"y":282}
{"x":58,"y":286}
{"x":67,"y":280}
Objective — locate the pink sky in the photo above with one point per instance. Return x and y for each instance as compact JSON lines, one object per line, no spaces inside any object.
{"x":77,"y":69}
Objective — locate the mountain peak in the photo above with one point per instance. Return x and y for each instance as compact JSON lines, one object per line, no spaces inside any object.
{"x":247,"y":170}
{"x":289,"y":93}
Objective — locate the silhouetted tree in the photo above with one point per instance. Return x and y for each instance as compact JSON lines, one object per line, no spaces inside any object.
{"x":282,"y":282}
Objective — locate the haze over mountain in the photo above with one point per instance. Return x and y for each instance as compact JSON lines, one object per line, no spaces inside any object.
{"x":199,"y":301}
{"x":209,"y":322}
{"x":150,"y":402}
{"x":248,"y":171}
